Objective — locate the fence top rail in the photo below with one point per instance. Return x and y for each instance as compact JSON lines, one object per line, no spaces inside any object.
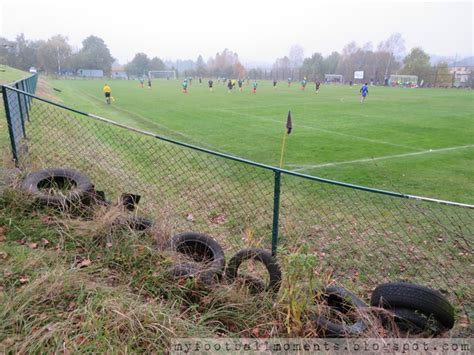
{"x":242,"y":160}
{"x":19,"y":80}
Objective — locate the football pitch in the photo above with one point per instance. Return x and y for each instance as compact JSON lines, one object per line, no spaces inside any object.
{"x":418,"y":141}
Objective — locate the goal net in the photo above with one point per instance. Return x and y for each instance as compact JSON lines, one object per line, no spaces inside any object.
{"x":162,"y":74}
{"x":333,"y":78}
{"x":407,"y":81}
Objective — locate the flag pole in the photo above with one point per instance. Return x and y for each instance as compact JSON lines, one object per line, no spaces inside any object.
{"x":282,"y":149}
{"x":288,"y":128}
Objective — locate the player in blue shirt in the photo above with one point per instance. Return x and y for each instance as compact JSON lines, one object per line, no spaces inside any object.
{"x":364,"y":91}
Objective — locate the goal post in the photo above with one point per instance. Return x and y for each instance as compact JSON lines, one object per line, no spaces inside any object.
{"x":333,"y":78}
{"x":406,"y":81}
{"x":162,"y":74}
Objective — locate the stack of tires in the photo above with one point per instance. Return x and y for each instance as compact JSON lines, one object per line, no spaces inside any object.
{"x":70,"y":189}
{"x":414,"y":309}
{"x":209,"y":267}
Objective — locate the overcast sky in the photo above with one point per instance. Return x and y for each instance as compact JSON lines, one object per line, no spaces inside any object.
{"x":258,"y":30}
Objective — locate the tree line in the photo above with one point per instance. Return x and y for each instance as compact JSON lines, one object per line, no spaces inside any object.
{"x":56,"y":56}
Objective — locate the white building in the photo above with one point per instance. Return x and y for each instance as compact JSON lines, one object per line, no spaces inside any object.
{"x":118,"y":71}
{"x":461,"y":75}
{"x":90,"y":73}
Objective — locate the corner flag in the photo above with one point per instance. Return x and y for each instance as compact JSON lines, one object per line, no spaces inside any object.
{"x":289,"y":125}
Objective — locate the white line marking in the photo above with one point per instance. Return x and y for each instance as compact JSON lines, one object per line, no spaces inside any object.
{"x":150,"y":121}
{"x":307,"y":167}
{"x":324,"y":130}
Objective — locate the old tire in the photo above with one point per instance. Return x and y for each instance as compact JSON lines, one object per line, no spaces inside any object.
{"x":193,"y":271}
{"x":202,"y":249}
{"x":139,"y":223}
{"x":415,"y":297}
{"x":255,"y":285}
{"x":183,"y":270}
{"x":261,"y":255}
{"x":414,"y":322}
{"x":344,"y":301}
{"x":78,"y":186}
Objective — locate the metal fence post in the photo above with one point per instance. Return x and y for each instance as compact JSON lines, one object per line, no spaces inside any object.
{"x":10,"y":126}
{"x":22,"y":114}
{"x":276,"y":211}
{"x":25,"y":102}
{"x":27,"y":88}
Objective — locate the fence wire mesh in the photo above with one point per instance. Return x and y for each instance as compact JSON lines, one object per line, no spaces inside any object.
{"x":361,"y":238}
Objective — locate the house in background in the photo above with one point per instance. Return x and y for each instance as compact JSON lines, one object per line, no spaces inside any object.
{"x":118,"y":71}
{"x":90,"y":73}
{"x":462,"y":76}
{"x":463,"y":71}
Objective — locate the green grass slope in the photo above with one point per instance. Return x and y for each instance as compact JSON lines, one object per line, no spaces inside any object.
{"x":9,"y":74}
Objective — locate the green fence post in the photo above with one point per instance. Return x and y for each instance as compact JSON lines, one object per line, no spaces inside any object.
{"x":24,"y":98}
{"x":22,"y":114}
{"x":10,"y":126}
{"x":276,"y":211}
{"x":26,"y":85}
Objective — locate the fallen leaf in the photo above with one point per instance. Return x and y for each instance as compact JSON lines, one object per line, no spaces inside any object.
{"x":3,"y":255}
{"x":256,"y":332}
{"x":81,"y":339}
{"x":44,"y":242}
{"x":218,"y":219}
{"x":190,"y":217}
{"x":2,"y":238}
{"x":48,"y":220}
{"x":32,"y":245}
{"x":24,"y":280}
{"x":108,"y":245}
{"x":84,"y":263}
{"x":206,"y":300}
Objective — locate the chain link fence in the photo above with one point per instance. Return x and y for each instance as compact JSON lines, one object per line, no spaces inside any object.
{"x":361,"y":236}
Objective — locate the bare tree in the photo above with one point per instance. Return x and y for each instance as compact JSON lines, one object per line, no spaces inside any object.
{"x":296,"y":56}
{"x":281,"y":67}
{"x":54,"y":54}
{"x":394,"y":46}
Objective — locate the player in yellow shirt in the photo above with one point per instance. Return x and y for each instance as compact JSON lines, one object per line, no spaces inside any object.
{"x":108,"y":93}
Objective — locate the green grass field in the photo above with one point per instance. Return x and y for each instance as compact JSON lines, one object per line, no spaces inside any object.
{"x":413,"y":141}
{"x":8,"y":74}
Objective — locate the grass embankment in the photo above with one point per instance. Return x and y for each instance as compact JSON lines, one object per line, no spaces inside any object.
{"x":87,"y":283}
{"x":9,"y":74}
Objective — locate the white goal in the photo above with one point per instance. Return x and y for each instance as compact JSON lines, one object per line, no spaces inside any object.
{"x":162,"y":74}
{"x":407,"y":81}
{"x":333,"y":78}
